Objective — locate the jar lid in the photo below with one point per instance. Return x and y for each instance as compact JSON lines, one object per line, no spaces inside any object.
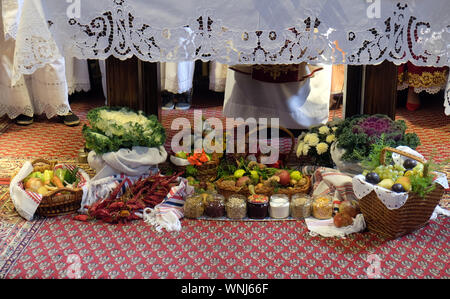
{"x":258,"y":198}
{"x":237,"y":195}
{"x":281,"y":198}
{"x":218,"y":196}
{"x":300,"y":195}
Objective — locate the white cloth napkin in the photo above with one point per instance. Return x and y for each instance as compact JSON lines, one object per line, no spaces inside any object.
{"x":168,"y":213}
{"x":132,"y":162}
{"x":326,"y":228}
{"x":25,"y":205}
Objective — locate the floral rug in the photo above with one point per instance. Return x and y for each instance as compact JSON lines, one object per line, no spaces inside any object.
{"x":15,"y":232}
{"x":227,"y":250}
{"x":5,"y":122}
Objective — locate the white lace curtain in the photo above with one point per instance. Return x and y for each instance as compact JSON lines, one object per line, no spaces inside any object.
{"x":236,"y":31}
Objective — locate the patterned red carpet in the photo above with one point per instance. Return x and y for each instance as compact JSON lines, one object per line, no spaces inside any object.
{"x":210,"y":249}
{"x":43,"y":248}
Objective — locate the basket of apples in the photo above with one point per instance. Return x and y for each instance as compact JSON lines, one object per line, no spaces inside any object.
{"x":400,"y":198}
{"x":287,"y":181}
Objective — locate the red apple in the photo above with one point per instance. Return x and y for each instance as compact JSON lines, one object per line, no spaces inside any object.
{"x":285,"y":178}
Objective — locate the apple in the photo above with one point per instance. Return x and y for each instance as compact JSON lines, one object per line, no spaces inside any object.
{"x":285,"y":178}
{"x":242,"y":181}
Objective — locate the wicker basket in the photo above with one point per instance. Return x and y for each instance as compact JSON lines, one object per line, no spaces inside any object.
{"x":60,"y":201}
{"x":207,"y":172}
{"x":226,"y":190}
{"x":284,"y":157}
{"x":414,"y":214}
{"x":300,"y":189}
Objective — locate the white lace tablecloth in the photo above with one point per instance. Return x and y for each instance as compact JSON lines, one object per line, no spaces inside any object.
{"x":235,"y":31}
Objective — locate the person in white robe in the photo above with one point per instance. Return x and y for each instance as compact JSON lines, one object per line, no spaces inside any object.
{"x":43,"y":92}
{"x":77,"y":75}
{"x":177,"y":82}
{"x":298,"y":105}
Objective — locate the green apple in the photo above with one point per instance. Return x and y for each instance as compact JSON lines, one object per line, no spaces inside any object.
{"x":254,"y":175}
{"x":239,"y":173}
{"x":296,"y":175}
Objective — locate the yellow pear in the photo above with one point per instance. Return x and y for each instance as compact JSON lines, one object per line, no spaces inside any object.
{"x":386,"y":183}
{"x":405,"y":182}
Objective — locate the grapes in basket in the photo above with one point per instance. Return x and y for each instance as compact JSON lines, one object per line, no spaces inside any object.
{"x":395,"y":177}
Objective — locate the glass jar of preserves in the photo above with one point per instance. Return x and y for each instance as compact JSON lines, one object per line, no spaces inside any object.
{"x":322,"y":207}
{"x":257,"y":206}
{"x":301,"y":206}
{"x":194,"y":206}
{"x":279,"y":206}
{"x":236,"y":206}
{"x":215,"y":206}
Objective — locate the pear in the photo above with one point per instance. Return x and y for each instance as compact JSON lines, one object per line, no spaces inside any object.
{"x":386,"y":183}
{"x":405,"y":182}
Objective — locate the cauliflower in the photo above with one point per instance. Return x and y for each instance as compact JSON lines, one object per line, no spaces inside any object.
{"x":113,"y":128}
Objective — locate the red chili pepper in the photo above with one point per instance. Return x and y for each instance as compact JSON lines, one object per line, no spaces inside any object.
{"x":81,"y":218}
{"x":117,"y":205}
{"x":116,"y":190}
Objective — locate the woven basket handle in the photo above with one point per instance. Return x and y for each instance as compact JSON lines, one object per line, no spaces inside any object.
{"x":280,"y":128}
{"x":41,"y":161}
{"x":400,"y":152}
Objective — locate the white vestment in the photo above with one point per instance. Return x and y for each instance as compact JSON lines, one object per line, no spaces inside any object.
{"x":177,"y":77}
{"x":77,"y":75}
{"x":298,"y":105}
{"x":45,"y":91}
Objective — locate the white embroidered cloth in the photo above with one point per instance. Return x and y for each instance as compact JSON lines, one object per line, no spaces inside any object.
{"x":326,"y":228}
{"x":131,"y":162}
{"x":235,"y":32}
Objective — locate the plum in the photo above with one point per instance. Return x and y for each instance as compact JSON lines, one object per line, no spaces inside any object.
{"x":398,"y":188}
{"x":373,"y":178}
{"x":409,"y":163}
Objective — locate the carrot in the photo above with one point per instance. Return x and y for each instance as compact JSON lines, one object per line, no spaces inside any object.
{"x":57,"y":182}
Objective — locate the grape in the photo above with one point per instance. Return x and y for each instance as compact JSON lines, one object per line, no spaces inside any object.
{"x":419,"y":166}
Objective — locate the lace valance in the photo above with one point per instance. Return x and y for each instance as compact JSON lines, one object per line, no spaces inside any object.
{"x":235,"y":31}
